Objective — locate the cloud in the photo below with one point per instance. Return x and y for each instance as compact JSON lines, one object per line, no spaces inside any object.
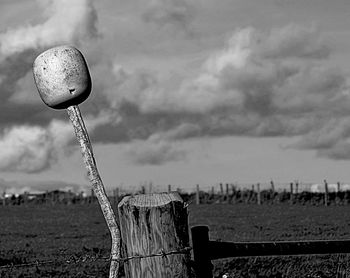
{"x":58,"y":22}
{"x":271,"y":83}
{"x":256,"y":72}
{"x":32,"y":149}
{"x":24,"y":91}
{"x":153,"y":151}
{"x":277,"y":83}
{"x":174,"y":13}
{"x":295,"y":41}
{"x":64,"y":22}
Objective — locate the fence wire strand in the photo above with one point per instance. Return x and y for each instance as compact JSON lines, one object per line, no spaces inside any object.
{"x":87,"y":258}
{"x":72,"y":259}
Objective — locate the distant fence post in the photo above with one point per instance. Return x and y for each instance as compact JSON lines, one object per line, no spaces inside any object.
{"x":325,"y":193}
{"x":291,"y":193}
{"x":296,"y":187}
{"x":200,"y":241}
{"x":155,"y":240}
{"x":258,"y":194}
{"x":169,"y":188}
{"x":233,"y":198}
{"x":197,"y":195}
{"x":227,"y":194}
{"x":221,"y":193}
{"x":272,"y":196}
{"x":338,"y":193}
{"x":116,"y":196}
{"x":92,"y":196}
{"x":272,"y":186}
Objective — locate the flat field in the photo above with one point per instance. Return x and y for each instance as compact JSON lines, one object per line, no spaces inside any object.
{"x":73,"y":241}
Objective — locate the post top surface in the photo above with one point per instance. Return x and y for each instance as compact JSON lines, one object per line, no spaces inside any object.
{"x":151,"y":200}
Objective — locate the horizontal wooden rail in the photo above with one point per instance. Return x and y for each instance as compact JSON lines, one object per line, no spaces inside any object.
{"x":205,"y":250}
{"x":219,"y":250}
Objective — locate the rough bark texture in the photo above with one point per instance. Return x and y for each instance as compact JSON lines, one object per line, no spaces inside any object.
{"x":96,"y":181}
{"x":155,"y":239}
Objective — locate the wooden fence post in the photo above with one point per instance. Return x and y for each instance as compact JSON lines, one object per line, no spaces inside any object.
{"x":92,"y":196}
{"x":116,"y":196}
{"x":233,"y":198}
{"x":272,"y":186}
{"x":4,"y":198}
{"x":291,"y":193}
{"x":227,"y":194}
{"x":296,"y":187}
{"x":221,"y":193}
{"x":200,"y":241}
{"x":272,"y":196}
{"x":155,"y":240}
{"x":325,"y":193}
{"x":197,"y":195}
{"x":258,"y":194}
{"x":150,"y":187}
{"x":337,"y":198}
{"x":169,"y":188}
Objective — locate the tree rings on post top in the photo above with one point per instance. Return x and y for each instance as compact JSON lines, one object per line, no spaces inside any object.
{"x":62,"y":77}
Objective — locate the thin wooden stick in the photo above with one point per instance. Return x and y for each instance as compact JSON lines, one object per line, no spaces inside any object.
{"x":96,"y":181}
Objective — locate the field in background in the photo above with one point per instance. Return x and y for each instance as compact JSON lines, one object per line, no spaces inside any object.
{"x":74,"y":240}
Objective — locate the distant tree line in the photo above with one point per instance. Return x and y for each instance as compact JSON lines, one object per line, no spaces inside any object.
{"x":50,"y":198}
{"x":227,"y":193}
{"x":233,"y":195}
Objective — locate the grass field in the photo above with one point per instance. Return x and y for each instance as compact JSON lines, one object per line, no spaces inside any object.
{"x":70,"y":238}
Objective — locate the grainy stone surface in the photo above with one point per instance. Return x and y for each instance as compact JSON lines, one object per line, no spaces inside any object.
{"x":62,"y":77}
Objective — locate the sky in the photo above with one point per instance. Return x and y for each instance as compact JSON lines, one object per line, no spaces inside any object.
{"x":185,"y":92}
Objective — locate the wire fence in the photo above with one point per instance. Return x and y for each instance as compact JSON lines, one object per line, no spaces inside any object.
{"x":72,"y":259}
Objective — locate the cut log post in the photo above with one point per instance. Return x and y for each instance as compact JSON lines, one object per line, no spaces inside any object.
{"x":155,"y":240}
